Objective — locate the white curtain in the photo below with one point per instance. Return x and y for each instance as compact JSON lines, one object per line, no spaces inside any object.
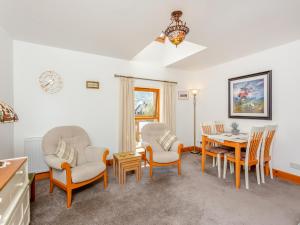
{"x":169,"y":106}
{"x":127,"y":140}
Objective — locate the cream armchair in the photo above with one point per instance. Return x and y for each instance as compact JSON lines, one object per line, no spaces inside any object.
{"x":155,"y":155}
{"x":91,"y":161}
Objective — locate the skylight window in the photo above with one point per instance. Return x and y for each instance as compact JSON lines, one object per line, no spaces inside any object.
{"x":166,"y":54}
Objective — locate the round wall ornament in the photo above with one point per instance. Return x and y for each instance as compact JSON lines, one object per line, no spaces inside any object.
{"x":51,"y":82}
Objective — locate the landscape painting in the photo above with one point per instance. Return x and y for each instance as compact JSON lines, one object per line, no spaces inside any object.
{"x":250,"y":96}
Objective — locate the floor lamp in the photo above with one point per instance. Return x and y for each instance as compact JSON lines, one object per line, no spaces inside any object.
{"x":194,"y":93}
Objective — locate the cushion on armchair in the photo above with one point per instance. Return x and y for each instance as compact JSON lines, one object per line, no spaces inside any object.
{"x":51,"y":138}
{"x":80,"y":173}
{"x":167,"y":140}
{"x":156,"y":147}
{"x":164,"y":157}
{"x":151,"y":133}
{"x":93,"y":153}
{"x":66,"y":152}
{"x":79,"y":144}
{"x":87,"y":171}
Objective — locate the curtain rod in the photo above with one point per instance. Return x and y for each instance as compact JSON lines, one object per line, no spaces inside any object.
{"x":140,"y":78}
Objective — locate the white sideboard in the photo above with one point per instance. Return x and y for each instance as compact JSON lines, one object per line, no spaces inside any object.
{"x":14,"y":192}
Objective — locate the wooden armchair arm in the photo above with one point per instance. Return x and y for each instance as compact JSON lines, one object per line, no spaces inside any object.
{"x":66,"y":166}
{"x":105,"y":154}
{"x":149,"y":149}
{"x":180,"y":147}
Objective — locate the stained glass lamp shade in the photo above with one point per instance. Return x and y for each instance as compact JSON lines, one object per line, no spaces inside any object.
{"x":177,"y":30}
{"x":7,"y":114}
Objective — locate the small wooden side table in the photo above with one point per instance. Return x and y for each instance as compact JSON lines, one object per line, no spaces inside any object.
{"x":124,"y":162}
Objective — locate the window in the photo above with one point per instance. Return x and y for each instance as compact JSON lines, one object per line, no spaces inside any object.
{"x":146,"y":109}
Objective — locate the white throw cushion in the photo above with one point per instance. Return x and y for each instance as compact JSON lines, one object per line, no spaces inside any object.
{"x":79,"y":145}
{"x":164,"y":157}
{"x":166,"y":140}
{"x":66,"y":152}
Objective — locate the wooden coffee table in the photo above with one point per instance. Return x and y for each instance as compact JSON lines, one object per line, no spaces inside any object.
{"x":124,"y":162}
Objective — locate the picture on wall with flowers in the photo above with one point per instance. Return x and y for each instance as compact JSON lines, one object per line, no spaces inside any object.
{"x":250,"y":96}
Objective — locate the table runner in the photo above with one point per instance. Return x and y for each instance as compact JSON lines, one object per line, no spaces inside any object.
{"x":241,"y":138}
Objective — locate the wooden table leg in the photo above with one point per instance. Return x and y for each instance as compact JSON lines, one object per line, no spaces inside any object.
{"x":203,"y":152}
{"x":32,"y":190}
{"x":137,"y":171}
{"x":114,"y":166}
{"x":237,"y":166}
{"x":124,"y":173}
{"x":119,"y":172}
{"x":140,"y":168}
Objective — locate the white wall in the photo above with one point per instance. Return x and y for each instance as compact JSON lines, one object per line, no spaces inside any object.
{"x":284,"y":61}
{"x":6,"y":92}
{"x":96,"y":111}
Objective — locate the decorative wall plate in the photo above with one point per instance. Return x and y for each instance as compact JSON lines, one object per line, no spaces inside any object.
{"x":51,"y":82}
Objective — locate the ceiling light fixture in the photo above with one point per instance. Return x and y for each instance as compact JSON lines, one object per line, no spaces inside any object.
{"x":176,"y":31}
{"x":161,"y":38}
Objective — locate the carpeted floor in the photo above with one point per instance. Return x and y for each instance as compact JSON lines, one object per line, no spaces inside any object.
{"x":193,"y":198}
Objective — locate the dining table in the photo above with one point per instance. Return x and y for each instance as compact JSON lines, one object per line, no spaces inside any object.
{"x":236,"y":141}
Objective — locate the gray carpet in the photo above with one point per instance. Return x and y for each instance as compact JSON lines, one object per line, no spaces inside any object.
{"x":166,"y":199}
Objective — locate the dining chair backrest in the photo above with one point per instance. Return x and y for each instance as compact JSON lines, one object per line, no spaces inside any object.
{"x":207,"y":128}
{"x":270,"y":131}
{"x":219,"y":127}
{"x":254,"y":143}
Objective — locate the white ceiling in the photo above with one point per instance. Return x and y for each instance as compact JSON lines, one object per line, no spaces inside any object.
{"x":229,"y":28}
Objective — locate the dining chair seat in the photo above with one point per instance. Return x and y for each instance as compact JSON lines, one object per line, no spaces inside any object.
{"x":231,"y":158}
{"x":231,"y":155}
{"x":217,"y":150}
{"x":229,"y":149}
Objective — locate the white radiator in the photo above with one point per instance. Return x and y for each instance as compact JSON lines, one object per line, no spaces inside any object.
{"x":33,"y":150}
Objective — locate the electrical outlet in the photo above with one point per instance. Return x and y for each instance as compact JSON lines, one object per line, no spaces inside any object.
{"x":295,"y":166}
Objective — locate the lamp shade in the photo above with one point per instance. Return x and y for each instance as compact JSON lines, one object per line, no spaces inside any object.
{"x":7,"y":114}
{"x":194,"y":91}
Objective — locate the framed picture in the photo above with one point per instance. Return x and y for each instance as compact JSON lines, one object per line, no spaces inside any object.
{"x":183,"y":95}
{"x":92,"y":84}
{"x":146,"y":103}
{"x":250,"y":96}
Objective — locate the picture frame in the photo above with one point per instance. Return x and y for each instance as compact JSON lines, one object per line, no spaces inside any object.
{"x":183,"y":95}
{"x":250,"y":96}
{"x":92,"y":85}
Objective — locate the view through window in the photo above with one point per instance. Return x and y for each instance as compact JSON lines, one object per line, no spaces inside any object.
{"x":146,"y":109}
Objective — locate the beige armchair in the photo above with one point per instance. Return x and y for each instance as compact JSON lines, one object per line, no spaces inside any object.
{"x":90,"y":165}
{"x":155,"y":155}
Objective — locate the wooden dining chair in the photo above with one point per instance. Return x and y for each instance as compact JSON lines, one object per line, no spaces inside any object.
{"x":219,"y":127}
{"x":213,"y":150}
{"x":251,"y":156}
{"x":207,"y":128}
{"x":266,"y":152}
